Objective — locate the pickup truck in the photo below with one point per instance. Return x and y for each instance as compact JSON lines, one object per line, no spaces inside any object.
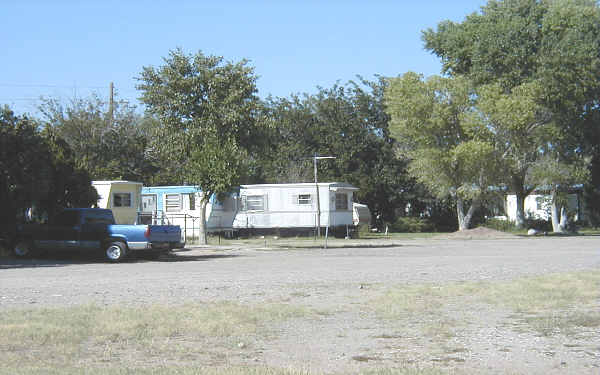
{"x":94,"y":229}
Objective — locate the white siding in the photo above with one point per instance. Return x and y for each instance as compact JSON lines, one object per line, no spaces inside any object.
{"x":283,"y":207}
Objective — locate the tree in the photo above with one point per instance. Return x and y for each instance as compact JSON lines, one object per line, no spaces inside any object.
{"x":108,"y":148}
{"x":346,"y":121}
{"x":37,"y":170}
{"x":207,"y":128}
{"x":433,"y":122}
{"x":558,"y":177}
{"x":518,"y":126}
{"x":551,"y":44}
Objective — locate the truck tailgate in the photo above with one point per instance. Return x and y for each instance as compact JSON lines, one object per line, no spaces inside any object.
{"x":164,"y":233}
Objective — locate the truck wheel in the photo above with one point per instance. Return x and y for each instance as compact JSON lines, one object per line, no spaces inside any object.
{"x":115,"y":251}
{"x":23,"y":249}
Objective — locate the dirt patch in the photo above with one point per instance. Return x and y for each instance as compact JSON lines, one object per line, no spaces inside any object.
{"x":481,"y":233}
{"x":341,"y":288}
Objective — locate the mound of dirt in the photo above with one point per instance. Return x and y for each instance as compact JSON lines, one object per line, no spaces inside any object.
{"x":480,"y":233}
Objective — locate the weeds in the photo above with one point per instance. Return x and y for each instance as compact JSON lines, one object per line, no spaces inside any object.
{"x":92,"y":333}
{"x":554,"y":304}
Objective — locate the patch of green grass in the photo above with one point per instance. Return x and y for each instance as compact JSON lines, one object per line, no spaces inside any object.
{"x":91,"y":334}
{"x":400,"y":236}
{"x":274,"y":242}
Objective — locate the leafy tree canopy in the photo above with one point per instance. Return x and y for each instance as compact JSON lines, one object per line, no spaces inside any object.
{"x":108,"y":148}
{"x":206,"y":128}
{"x":433,"y":121}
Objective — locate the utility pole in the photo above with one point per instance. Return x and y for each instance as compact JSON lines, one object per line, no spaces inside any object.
{"x":315,"y":158}
{"x":110,"y":105}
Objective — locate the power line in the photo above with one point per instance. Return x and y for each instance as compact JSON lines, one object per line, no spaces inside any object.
{"x":50,"y":86}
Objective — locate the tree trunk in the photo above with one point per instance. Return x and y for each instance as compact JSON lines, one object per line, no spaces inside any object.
{"x":520,"y":214}
{"x":555,"y":210}
{"x":202,"y":235}
{"x":564,"y":219}
{"x":464,"y":220}
{"x":518,"y":186}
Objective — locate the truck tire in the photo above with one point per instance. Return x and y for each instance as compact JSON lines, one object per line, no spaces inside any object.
{"x":115,"y":251}
{"x":23,"y":248}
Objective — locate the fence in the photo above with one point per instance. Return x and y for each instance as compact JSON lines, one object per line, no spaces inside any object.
{"x":190,"y":224}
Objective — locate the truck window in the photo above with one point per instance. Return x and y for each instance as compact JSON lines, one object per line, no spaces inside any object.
{"x":66,"y":219}
{"x":98,"y":217}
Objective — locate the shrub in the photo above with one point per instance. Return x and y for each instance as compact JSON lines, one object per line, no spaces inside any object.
{"x":499,"y":224}
{"x":410,"y":224}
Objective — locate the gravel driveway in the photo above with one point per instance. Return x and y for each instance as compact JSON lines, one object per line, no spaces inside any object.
{"x":322,"y":279}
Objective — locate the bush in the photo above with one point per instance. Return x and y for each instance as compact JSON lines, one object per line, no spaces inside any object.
{"x":509,"y":226}
{"x":499,"y":224}
{"x":410,"y":224}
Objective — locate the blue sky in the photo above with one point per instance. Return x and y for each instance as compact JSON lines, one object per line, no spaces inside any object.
{"x":65,"y":49}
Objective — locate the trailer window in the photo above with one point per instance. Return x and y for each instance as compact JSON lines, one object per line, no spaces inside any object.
{"x":304,"y":199}
{"x":172,"y":202}
{"x":192,"y":201}
{"x":255,"y":203}
{"x":341,"y":201}
{"x":121,"y":200}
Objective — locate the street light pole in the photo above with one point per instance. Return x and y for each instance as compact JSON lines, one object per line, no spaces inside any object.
{"x":315,"y":158}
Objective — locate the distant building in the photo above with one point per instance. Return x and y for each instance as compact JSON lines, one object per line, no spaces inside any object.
{"x":538,"y":206}
{"x":180,"y":205}
{"x":294,"y":206}
{"x":253,"y":208}
{"x":122,"y":197}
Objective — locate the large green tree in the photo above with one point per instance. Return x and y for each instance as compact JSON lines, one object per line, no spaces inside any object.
{"x":110,"y":145}
{"x":518,"y":126}
{"x":434,"y":123}
{"x":37,"y":169}
{"x":206,"y":110}
{"x":348,"y":122}
{"x":552,"y":44}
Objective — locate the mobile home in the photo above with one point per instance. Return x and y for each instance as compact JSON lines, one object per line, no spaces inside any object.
{"x":122,"y":197}
{"x":538,"y":206}
{"x":180,"y":205}
{"x":287,"y":206}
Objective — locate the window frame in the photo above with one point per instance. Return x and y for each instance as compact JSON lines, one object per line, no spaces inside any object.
{"x":248,"y":206}
{"x":338,"y":201}
{"x":168,"y":206}
{"x":154,"y":198}
{"x":121,"y":200}
{"x":191,"y":201}
{"x":304,"y":200}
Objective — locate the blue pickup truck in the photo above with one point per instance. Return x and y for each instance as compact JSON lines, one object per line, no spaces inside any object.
{"x":94,"y":229}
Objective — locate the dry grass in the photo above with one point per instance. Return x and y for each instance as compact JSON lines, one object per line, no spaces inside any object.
{"x":92,"y":336}
{"x":550,"y":304}
{"x":160,"y":339}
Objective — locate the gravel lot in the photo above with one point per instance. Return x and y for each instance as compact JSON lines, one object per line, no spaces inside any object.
{"x":333,"y":280}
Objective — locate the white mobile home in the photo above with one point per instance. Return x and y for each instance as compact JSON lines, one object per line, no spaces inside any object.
{"x":538,"y":206}
{"x":273,"y":206}
{"x":122,"y":197}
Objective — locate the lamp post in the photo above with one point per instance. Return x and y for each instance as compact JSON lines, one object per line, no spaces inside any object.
{"x":315,"y":158}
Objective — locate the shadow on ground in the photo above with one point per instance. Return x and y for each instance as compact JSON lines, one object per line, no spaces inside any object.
{"x":64,"y":259}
